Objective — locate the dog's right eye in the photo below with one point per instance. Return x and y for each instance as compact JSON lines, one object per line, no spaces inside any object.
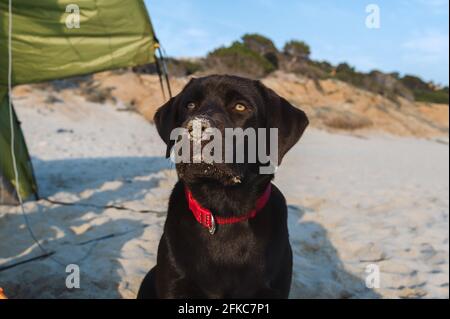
{"x":191,"y":106}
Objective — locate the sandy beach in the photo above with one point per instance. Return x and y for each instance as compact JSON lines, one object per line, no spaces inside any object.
{"x":354,"y":200}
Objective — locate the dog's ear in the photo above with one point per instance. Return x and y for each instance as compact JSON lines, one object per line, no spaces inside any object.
{"x":166,"y":120}
{"x":290,"y":121}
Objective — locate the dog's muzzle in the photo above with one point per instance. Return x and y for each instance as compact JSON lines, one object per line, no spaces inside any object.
{"x":197,"y":127}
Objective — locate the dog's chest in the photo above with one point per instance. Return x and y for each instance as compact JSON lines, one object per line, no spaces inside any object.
{"x":234,"y":248}
{"x":232,"y":265}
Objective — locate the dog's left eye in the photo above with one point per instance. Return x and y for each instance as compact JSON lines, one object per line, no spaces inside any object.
{"x":191,"y":106}
{"x":240,"y":107}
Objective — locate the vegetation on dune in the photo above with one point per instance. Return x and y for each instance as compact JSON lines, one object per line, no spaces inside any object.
{"x":375,"y":81}
{"x":239,"y":59}
{"x":175,"y":67}
{"x":426,"y":92}
{"x":184,"y":67}
{"x":439,"y":96}
{"x":263,"y":46}
{"x":297,"y":48}
{"x":256,"y":56}
{"x":258,"y":43}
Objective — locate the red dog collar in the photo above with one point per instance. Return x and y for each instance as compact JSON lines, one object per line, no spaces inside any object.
{"x":206,"y":218}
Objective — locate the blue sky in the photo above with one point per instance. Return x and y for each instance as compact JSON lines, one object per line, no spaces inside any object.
{"x":413,"y":36}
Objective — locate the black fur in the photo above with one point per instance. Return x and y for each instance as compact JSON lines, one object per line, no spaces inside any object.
{"x":249,"y":259}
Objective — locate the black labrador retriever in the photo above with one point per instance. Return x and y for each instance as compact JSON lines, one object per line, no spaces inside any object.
{"x":226,"y":233}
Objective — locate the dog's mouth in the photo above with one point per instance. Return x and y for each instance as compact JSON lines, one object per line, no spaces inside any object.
{"x":197,"y":172}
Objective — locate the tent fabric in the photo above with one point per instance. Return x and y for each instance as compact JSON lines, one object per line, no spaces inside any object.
{"x":111,"y":34}
{"x":27,"y":183}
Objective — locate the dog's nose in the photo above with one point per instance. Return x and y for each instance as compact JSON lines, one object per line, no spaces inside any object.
{"x":198,"y":125}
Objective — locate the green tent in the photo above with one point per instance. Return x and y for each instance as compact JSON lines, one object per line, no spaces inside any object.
{"x":53,"y":39}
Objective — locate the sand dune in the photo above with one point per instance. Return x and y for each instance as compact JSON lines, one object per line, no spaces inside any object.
{"x":331,"y":104}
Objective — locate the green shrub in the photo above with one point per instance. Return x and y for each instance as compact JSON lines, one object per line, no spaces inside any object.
{"x":297,"y":48}
{"x":323,"y":65}
{"x":319,"y":70}
{"x":424,"y":91}
{"x":239,"y":59}
{"x":263,"y":46}
{"x":439,"y":96}
{"x":184,"y":67}
{"x":414,"y":83}
{"x":347,"y":73}
{"x":192,"y":67}
{"x":258,"y":43}
{"x":345,"y":68}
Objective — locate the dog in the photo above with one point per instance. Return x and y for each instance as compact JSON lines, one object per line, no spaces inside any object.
{"x":226,"y":233}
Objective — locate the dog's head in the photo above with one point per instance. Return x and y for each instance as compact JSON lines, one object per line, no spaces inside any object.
{"x":229,"y":102}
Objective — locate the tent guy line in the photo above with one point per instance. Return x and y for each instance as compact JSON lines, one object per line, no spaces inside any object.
{"x":93,"y":241}
{"x":12,"y":134}
{"x":145,"y":211}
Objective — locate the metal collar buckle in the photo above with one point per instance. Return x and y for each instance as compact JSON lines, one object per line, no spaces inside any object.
{"x":212,"y":227}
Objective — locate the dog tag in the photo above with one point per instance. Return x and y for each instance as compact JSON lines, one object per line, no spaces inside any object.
{"x":212,"y":228}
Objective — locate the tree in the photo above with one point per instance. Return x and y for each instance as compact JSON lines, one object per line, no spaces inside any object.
{"x":297,"y":49}
{"x":259,"y":43}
